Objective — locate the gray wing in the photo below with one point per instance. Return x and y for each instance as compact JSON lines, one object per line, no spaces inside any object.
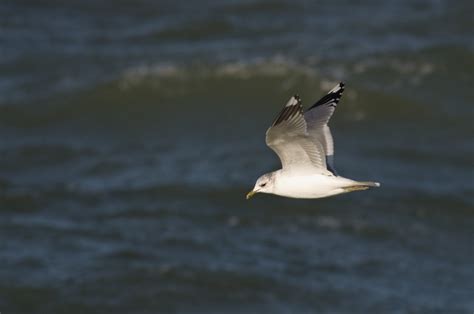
{"x":317,"y":118}
{"x":288,"y":137}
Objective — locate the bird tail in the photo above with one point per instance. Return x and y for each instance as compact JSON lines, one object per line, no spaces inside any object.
{"x":369,"y":184}
{"x":360,"y":186}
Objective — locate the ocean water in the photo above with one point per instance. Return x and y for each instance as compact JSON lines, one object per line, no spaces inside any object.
{"x":132,"y":130}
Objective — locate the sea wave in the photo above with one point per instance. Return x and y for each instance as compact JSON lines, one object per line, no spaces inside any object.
{"x":165,"y":88}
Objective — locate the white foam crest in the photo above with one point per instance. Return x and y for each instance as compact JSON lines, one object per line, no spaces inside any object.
{"x":277,"y":66}
{"x":417,"y":70}
{"x":136,"y":75}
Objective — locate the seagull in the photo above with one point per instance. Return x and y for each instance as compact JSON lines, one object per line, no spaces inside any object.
{"x":304,"y":144}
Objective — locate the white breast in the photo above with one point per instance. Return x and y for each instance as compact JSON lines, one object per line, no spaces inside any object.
{"x":310,"y":186}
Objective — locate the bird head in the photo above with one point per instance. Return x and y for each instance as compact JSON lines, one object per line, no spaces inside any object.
{"x":264,"y":184}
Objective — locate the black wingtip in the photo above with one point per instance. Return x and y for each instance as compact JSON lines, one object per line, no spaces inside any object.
{"x":339,"y":87}
{"x":332,"y":97}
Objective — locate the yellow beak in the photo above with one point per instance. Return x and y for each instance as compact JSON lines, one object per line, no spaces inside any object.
{"x":250,"y":194}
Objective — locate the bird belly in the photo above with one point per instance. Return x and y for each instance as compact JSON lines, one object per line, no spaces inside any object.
{"x":312,"y":186}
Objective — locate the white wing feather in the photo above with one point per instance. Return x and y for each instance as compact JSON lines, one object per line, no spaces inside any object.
{"x":317,"y":118}
{"x":289,"y":138}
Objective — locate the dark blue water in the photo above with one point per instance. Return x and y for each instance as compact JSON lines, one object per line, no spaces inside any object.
{"x":132,"y":130}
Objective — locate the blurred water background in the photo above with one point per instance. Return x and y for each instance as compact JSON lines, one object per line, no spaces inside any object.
{"x":131,"y":131}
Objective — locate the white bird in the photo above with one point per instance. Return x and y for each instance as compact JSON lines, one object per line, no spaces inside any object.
{"x":304,"y":144}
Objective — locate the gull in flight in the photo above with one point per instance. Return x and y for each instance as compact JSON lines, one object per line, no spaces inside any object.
{"x":304,"y":144}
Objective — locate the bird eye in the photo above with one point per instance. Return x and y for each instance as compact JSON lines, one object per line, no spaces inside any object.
{"x":263,"y":185}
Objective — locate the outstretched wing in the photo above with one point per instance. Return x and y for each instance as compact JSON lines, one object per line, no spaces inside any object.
{"x":317,"y":118}
{"x":289,"y":138}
